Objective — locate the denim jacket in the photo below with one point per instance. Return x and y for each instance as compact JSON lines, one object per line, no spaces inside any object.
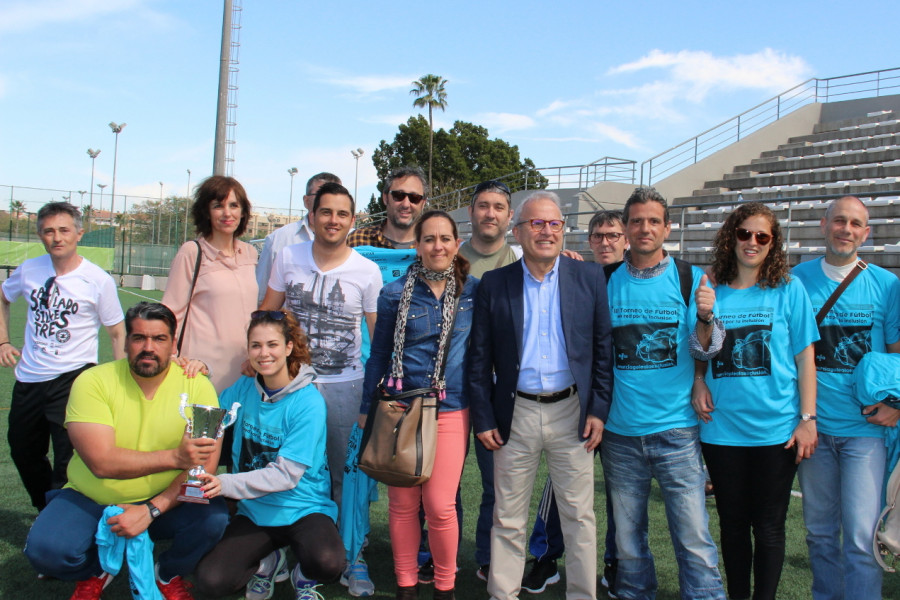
{"x":420,"y":348}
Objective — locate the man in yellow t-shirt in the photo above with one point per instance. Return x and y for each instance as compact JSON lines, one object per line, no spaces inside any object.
{"x":131,"y":450}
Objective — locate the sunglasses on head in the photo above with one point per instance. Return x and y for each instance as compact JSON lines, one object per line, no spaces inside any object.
{"x":762,"y":238}
{"x":399,"y":195}
{"x":275,"y":315}
{"x":493,"y":183}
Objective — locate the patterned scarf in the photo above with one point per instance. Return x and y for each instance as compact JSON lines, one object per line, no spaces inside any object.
{"x":415,"y":270}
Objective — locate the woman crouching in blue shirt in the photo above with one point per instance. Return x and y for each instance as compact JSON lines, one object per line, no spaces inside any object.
{"x":760,"y":421}
{"x":412,"y":337}
{"x":282,"y":481}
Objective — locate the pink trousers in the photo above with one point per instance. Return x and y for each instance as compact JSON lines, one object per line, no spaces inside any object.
{"x":438,"y":496}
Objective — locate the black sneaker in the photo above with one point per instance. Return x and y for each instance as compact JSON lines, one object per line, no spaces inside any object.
{"x":609,"y":577}
{"x":483,"y":572}
{"x":426,"y":571}
{"x":541,"y":574}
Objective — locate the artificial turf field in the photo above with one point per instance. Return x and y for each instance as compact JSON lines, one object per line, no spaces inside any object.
{"x":18,"y":580}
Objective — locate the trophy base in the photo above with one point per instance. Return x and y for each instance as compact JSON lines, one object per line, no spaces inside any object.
{"x":191,"y":492}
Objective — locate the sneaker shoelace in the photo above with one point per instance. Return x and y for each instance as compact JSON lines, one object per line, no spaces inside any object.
{"x":308,"y":591}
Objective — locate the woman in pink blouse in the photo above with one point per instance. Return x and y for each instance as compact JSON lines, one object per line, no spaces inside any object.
{"x":226,"y":291}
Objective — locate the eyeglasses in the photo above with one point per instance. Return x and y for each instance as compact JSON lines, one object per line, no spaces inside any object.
{"x":611,"y":237}
{"x":48,"y":285}
{"x":275,"y":315}
{"x":762,"y":238}
{"x":537,"y":225}
{"x":399,"y":196}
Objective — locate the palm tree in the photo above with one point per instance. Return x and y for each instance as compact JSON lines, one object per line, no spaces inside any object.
{"x":429,"y":91}
{"x":17,"y":206}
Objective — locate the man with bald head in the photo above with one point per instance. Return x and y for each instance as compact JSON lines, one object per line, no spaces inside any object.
{"x":540,"y":383}
{"x":842,"y":482}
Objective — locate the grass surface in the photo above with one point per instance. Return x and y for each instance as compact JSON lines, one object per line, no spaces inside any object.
{"x":18,"y":581}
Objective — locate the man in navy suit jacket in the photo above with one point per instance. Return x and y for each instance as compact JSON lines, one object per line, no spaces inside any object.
{"x":541,"y":381}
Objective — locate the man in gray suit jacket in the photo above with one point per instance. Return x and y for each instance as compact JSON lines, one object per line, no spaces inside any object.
{"x":541,"y":381}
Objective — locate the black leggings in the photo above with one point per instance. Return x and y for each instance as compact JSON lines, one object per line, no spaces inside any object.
{"x":314,"y":540}
{"x":753,"y":490}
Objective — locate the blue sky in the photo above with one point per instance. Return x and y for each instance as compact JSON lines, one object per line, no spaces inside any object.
{"x":568,"y":82}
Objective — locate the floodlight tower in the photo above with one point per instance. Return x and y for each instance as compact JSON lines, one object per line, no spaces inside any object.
{"x":116,"y":129}
{"x":101,"y":186}
{"x":93,"y":154}
{"x":292,"y":171}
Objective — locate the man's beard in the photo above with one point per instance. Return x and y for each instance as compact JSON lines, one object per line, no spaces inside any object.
{"x":147,"y":370}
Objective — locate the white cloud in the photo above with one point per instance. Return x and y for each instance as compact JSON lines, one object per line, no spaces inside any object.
{"x":363,"y":85}
{"x":697,"y":73}
{"x":615,"y":134}
{"x":505,"y":121}
{"x":31,"y":14}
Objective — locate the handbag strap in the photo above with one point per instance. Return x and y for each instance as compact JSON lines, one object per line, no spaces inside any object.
{"x":858,"y":268}
{"x":187,"y":311}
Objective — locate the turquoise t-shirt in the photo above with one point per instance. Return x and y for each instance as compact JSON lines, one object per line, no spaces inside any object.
{"x":653,"y":367}
{"x":864,"y":319}
{"x":753,"y":379}
{"x":292,"y":427}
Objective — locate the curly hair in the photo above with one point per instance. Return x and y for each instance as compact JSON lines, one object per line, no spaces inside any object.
{"x":217,"y":187}
{"x":292,"y":332}
{"x":774,"y":270}
{"x":460,"y":265}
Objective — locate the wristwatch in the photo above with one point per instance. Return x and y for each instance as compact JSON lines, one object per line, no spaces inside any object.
{"x":807,"y":417}
{"x":707,"y":321}
{"x":154,"y":512}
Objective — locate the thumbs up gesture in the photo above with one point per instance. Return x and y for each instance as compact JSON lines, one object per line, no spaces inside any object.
{"x":705,"y":299}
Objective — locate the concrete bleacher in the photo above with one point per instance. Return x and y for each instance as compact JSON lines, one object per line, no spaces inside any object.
{"x":856,"y":154}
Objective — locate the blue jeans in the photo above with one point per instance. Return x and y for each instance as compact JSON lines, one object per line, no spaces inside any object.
{"x":673,"y":458}
{"x":61,"y":541}
{"x":842,"y":489}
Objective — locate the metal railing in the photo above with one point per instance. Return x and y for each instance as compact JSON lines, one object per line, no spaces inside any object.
{"x":581,"y":177}
{"x":833,"y":89}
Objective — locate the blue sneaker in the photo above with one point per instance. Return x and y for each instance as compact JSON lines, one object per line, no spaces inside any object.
{"x":356,"y":578}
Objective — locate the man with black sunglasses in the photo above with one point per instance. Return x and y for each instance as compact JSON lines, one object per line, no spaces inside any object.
{"x":68,"y":298}
{"x":404,"y":195}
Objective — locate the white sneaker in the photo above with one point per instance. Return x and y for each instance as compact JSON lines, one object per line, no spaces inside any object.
{"x":356,"y":578}
{"x":262,"y":585}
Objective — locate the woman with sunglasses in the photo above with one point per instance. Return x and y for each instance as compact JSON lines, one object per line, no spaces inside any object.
{"x":213,"y":312}
{"x":759,"y":422}
{"x":412,"y":339}
{"x":280,"y":476}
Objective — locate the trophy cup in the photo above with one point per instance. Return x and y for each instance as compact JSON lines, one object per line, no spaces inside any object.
{"x":204,"y":422}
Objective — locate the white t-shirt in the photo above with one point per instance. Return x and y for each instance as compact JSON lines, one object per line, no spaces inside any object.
{"x":329,"y":306}
{"x":64,"y":314}
{"x":275,"y":242}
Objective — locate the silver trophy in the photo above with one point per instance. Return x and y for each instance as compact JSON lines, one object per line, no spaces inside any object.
{"x":204,"y":422}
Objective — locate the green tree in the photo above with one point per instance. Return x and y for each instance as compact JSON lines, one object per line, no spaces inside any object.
{"x":17,"y":206}
{"x":429,"y":91}
{"x":463,"y":156}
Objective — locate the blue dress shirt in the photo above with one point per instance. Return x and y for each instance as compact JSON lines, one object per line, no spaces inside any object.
{"x":544,"y":367}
